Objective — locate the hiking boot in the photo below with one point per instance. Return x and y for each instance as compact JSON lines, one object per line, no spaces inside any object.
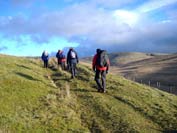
{"x":103,"y":90}
{"x":99,"y":90}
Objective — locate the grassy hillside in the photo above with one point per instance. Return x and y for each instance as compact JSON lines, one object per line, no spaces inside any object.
{"x":34,"y":99}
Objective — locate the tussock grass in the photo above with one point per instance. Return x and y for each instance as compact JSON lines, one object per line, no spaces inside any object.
{"x":34,"y":99}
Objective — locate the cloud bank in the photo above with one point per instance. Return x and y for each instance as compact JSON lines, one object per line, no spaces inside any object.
{"x":99,"y":23}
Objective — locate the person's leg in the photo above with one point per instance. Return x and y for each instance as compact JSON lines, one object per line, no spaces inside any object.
{"x":103,"y":79}
{"x":44,"y":63}
{"x":72,"y":70}
{"x":97,"y":79}
{"x":74,"y":67}
{"x":58,"y":62}
{"x":62,"y":65}
{"x":68,"y":67}
{"x":47,"y":64}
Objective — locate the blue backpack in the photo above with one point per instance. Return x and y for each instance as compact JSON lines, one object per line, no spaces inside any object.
{"x":60,"y":56}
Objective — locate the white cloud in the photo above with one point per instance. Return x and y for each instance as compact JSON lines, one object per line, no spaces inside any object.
{"x":128,"y":17}
{"x":91,"y":26}
{"x":155,"y":4}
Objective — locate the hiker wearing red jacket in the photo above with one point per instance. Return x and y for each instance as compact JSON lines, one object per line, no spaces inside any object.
{"x":100,"y":65}
{"x":61,"y":59}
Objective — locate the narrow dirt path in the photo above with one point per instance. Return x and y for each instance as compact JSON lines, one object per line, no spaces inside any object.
{"x":98,"y":112}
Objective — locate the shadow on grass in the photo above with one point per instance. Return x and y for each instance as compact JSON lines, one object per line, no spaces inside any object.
{"x":22,"y":66}
{"x":169,"y":131}
{"x":27,"y":76}
{"x":53,"y":68}
{"x":59,"y":77}
{"x":62,"y":79}
{"x":83,"y":78}
{"x":83,"y":90}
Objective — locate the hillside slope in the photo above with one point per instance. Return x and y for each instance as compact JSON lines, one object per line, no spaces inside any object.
{"x":148,"y":68}
{"x":128,"y":57}
{"x":34,"y":99}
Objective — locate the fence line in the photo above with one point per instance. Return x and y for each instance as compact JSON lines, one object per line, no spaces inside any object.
{"x":171,"y":88}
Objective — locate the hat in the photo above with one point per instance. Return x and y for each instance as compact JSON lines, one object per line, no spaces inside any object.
{"x":98,"y":50}
{"x":71,"y":48}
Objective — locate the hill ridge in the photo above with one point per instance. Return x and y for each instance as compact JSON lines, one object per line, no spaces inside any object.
{"x":55,"y":103}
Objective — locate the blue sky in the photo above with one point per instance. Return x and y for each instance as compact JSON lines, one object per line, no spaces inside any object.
{"x":29,"y":27}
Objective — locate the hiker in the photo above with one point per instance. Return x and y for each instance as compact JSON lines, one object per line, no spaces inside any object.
{"x":72,"y":60}
{"x":61,"y":59}
{"x":45,"y":58}
{"x":100,"y":65}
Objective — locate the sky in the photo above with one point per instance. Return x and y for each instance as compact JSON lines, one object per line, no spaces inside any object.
{"x":27,"y":28}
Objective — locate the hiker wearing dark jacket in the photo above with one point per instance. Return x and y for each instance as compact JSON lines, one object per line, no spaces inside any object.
{"x":100,"y":71}
{"x":45,"y":58}
{"x":61,"y":59}
{"x":72,"y":60}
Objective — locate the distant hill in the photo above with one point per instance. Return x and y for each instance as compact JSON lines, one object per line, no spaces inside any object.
{"x":125,"y":58}
{"x":150,"y":69}
{"x":34,"y":99}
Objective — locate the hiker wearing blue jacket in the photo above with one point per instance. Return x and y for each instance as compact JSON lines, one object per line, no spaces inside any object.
{"x":45,"y":58}
{"x":61,"y":59}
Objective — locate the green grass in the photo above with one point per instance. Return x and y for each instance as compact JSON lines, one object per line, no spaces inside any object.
{"x":34,"y":99}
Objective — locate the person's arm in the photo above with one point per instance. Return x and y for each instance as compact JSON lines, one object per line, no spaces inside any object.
{"x":77,"y":57}
{"x":108,"y":65}
{"x":47,"y":57}
{"x":42,"y":56}
{"x":94,"y":62}
{"x":67,"y":59}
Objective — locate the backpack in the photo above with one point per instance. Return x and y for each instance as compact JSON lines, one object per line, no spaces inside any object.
{"x":61,"y":56}
{"x":102,"y":59}
{"x":73,"y":54}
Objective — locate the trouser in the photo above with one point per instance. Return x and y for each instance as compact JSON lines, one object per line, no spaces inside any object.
{"x":102,"y":84}
{"x":62,"y":64}
{"x":45,"y":63}
{"x":73,"y":69}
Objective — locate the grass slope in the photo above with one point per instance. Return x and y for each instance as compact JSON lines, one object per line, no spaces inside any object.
{"x":34,"y":99}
